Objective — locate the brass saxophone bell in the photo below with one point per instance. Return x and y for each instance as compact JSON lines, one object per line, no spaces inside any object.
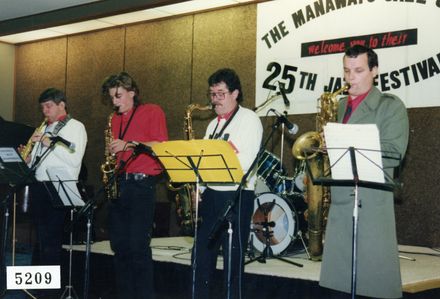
{"x":305,"y":145}
{"x":308,"y":147}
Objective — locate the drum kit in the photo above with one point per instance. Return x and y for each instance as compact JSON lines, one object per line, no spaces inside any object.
{"x":278,"y":218}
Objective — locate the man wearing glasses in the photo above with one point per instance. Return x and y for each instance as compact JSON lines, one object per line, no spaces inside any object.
{"x":242,"y":129}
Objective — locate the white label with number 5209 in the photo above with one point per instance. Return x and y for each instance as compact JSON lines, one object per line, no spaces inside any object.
{"x":33,"y":277}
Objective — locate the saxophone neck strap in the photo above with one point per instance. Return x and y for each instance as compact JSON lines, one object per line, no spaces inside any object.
{"x":61,"y":124}
{"x":215,"y":135}
{"x":122,"y":133}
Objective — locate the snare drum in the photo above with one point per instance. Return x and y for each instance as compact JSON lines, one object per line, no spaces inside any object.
{"x":269,"y":169}
{"x":285,"y":185}
{"x":280,"y":226}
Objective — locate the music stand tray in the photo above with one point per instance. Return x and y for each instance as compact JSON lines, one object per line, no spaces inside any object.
{"x":13,"y":169}
{"x":62,"y":188}
{"x":350,"y":147}
{"x":212,"y":161}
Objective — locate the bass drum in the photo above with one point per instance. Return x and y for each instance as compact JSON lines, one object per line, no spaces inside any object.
{"x":274,"y":218}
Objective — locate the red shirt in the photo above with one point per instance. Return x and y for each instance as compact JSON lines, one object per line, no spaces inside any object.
{"x":357,"y":101}
{"x":147,"y":124}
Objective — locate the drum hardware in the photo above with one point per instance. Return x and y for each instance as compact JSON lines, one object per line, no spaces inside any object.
{"x":270,"y":169}
{"x":251,"y":249}
{"x":288,"y":216}
{"x":266,"y":225}
{"x":299,"y":176}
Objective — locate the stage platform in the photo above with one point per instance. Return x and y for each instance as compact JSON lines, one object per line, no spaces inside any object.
{"x":420,"y":266}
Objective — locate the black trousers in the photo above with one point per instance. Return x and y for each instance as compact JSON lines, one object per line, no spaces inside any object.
{"x":205,"y":253}
{"x":49,"y":222}
{"x":130,"y":230}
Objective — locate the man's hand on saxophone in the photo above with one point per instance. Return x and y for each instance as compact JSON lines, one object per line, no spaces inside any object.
{"x":41,"y":137}
{"x":28,"y":157}
{"x":25,"y":150}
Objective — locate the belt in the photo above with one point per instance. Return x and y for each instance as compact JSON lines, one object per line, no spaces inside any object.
{"x":133,"y":176}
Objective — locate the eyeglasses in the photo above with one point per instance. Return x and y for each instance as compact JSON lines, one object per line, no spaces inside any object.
{"x":220,"y":95}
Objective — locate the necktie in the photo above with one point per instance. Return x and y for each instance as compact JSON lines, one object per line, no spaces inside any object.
{"x":348,"y":112}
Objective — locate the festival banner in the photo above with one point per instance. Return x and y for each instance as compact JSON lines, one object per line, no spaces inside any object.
{"x":300,"y":46}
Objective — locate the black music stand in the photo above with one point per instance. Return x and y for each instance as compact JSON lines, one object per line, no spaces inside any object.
{"x":200,"y":161}
{"x":383,"y":182}
{"x":15,"y":173}
{"x":65,"y":193}
{"x":87,"y":211}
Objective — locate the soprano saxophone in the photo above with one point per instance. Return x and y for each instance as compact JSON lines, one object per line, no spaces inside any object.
{"x":24,"y":153}
{"x":27,"y":149}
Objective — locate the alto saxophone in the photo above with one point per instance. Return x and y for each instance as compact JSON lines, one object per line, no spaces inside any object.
{"x":184,"y":203}
{"x":27,"y":149}
{"x":109,"y":166}
{"x":317,"y":196}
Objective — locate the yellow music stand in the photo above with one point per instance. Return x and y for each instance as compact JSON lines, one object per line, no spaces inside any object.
{"x":194,"y":161}
{"x":207,"y":161}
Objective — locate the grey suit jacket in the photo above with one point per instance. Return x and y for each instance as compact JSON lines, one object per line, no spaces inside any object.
{"x":378,"y":268}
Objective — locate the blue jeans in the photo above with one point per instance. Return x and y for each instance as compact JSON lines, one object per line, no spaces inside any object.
{"x":130,"y":229}
{"x":210,"y":209}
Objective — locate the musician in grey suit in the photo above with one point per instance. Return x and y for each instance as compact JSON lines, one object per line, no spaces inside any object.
{"x":378,"y":268}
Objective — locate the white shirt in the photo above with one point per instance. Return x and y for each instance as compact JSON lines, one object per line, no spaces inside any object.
{"x":61,"y":156}
{"x":244,"y":133}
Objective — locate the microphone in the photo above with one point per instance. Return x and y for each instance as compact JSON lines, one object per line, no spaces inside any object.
{"x":141,"y":148}
{"x":283,"y":93}
{"x":291,"y":128}
{"x":57,"y":138}
{"x":268,"y":224}
{"x":116,"y":109}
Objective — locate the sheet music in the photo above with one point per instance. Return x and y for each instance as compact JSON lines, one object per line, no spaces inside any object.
{"x":9,"y":154}
{"x":67,"y":189}
{"x":365,"y":139}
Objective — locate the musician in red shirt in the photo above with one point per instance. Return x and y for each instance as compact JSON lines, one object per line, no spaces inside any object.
{"x":135,"y":128}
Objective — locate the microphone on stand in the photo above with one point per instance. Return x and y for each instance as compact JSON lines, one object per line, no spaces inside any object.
{"x":268,"y":224}
{"x":57,"y":138}
{"x":141,"y":148}
{"x":291,"y":127}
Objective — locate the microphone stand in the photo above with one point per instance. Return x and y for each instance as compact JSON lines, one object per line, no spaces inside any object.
{"x":215,"y":230}
{"x":282,"y":148}
{"x":69,"y":291}
{"x":87,"y":210}
{"x":267,"y":102}
{"x":357,"y":205}
{"x":6,"y":204}
{"x":231,"y":203}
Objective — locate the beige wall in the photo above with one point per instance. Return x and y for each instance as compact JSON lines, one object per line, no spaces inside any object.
{"x":7,"y":59}
{"x":171,"y":60}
